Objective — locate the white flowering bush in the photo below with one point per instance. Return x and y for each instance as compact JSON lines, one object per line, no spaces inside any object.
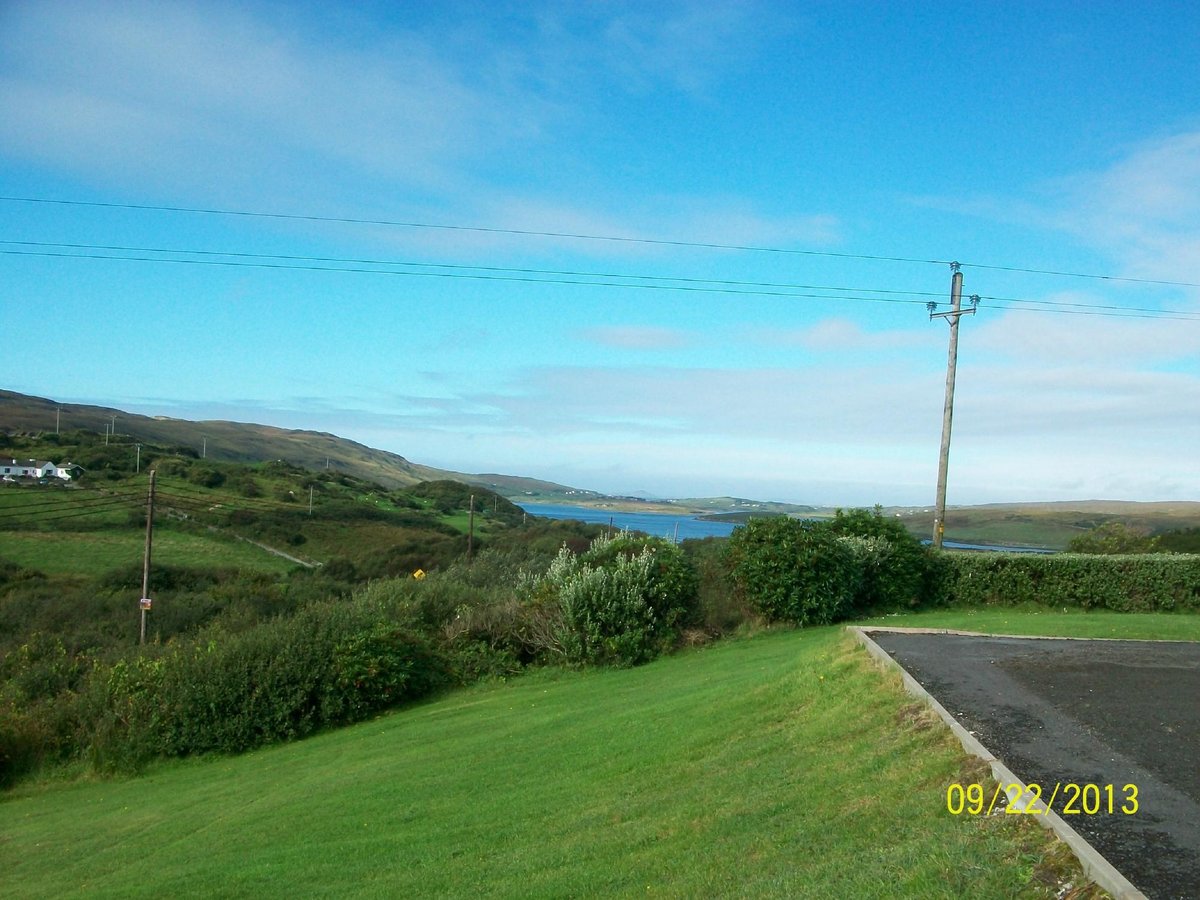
{"x":621,"y":601}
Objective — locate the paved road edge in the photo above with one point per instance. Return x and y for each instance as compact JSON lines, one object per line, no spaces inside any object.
{"x":1095,"y":866}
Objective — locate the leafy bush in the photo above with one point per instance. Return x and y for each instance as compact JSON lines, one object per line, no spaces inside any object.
{"x":1180,"y":540}
{"x":1113,"y":538}
{"x":330,"y":664}
{"x":206,"y":476}
{"x":720,"y":607}
{"x":621,"y":602}
{"x":893,"y":561}
{"x":1143,"y":582}
{"x":794,"y":571}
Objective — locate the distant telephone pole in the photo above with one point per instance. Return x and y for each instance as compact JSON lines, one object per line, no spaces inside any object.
{"x":471,"y":530}
{"x":144,"y":603}
{"x":956,"y":312}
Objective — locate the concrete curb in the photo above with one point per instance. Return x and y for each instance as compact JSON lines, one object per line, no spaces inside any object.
{"x":1095,"y":866}
{"x":897,"y":629}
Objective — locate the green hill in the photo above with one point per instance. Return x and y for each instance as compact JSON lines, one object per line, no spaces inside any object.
{"x":218,"y":440}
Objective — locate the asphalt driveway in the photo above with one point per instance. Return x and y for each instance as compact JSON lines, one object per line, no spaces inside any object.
{"x":1085,"y":712}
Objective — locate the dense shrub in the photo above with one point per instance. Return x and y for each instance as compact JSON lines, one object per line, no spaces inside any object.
{"x":621,"y":602}
{"x":720,"y":607}
{"x":1113,"y":538}
{"x":894,"y":563}
{"x":206,"y":476}
{"x":332,"y":663}
{"x":1142,"y":582}
{"x":794,"y":571}
{"x":1181,"y":540}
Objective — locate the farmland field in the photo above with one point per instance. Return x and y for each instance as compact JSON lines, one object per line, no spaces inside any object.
{"x":94,"y":552}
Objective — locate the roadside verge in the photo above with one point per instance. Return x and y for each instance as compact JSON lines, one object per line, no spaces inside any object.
{"x":1095,"y":866}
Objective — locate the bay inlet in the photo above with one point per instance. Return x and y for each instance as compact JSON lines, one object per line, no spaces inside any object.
{"x":662,"y":525}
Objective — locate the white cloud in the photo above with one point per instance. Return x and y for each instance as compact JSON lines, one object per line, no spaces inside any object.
{"x":841,"y":335}
{"x":1144,"y":209}
{"x":1046,"y":338}
{"x":180,"y":93}
{"x":631,"y":337}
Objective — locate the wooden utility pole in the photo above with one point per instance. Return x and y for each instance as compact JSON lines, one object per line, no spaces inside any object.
{"x":471,"y":530}
{"x":144,"y":603}
{"x":952,"y":317}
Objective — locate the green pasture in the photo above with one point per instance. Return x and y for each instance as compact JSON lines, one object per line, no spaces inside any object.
{"x":779,"y":765}
{"x":93,"y":552}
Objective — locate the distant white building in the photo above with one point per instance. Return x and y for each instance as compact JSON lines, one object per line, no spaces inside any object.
{"x":12,"y":469}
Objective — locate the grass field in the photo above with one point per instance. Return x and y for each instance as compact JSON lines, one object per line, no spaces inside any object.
{"x":1038,"y":620}
{"x":781,"y":765}
{"x":95,"y":552}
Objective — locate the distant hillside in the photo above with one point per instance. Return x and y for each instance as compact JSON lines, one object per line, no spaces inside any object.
{"x":1049,"y":524}
{"x":530,"y":490}
{"x":244,"y":442}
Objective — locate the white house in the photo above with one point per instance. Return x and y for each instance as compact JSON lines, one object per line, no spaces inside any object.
{"x":11,"y":469}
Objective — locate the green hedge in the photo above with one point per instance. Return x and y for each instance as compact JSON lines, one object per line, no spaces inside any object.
{"x":1141,"y":582}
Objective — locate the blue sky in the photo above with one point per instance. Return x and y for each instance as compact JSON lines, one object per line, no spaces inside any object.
{"x":1008,"y":136}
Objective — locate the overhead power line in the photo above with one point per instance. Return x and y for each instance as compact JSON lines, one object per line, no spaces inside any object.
{"x":56,"y":516}
{"x":468,"y":267}
{"x":522,"y":279}
{"x":64,"y":503}
{"x":520,"y":232}
{"x":629,"y":281}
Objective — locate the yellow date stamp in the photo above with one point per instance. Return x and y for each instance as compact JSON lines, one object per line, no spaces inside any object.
{"x":1067,"y":798}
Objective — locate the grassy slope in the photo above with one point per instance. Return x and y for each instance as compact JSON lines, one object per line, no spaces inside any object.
{"x":781,"y":765}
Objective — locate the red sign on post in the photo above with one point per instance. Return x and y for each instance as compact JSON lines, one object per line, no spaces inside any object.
{"x":144,"y":603}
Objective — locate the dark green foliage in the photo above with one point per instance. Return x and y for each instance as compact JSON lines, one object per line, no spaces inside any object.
{"x":454,"y":496}
{"x":111,"y":461}
{"x":720,"y":607}
{"x":329,"y":664}
{"x":894,"y":563}
{"x":794,"y":571}
{"x":1143,"y":582}
{"x":248,"y":487}
{"x":1113,"y":537}
{"x":206,"y":476}
{"x":1181,"y":540}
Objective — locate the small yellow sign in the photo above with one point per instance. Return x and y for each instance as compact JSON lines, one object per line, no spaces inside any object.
{"x":419,"y":574}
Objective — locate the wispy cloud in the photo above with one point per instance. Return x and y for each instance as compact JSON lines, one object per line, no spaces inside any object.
{"x":1144,"y":209}
{"x":631,"y":337}
{"x":840,"y":335}
{"x":1050,"y":339}
{"x":233,"y":105}
{"x":177,"y":93}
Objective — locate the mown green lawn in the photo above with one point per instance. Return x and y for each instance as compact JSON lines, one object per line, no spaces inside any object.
{"x":780,"y":765}
{"x":1060,"y":622}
